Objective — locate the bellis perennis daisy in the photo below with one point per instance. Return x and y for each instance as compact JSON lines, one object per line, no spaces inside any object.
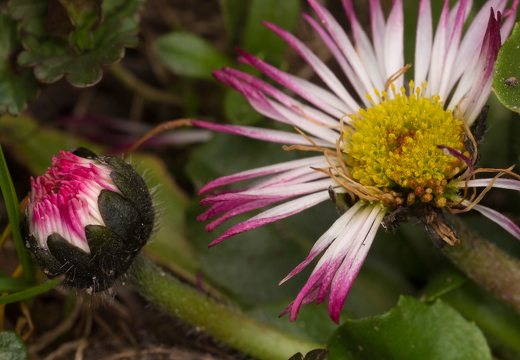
{"x":395,"y":138}
{"x":87,"y":218}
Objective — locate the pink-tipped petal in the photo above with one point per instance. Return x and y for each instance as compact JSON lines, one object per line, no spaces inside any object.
{"x":475,"y":85}
{"x":394,"y":46}
{"x":452,"y":48}
{"x":325,"y":271}
{"x":377,"y":22}
{"x":340,"y":58}
{"x":280,"y":191}
{"x":277,"y":213}
{"x":440,"y":43}
{"x":349,"y":270}
{"x":423,"y":44}
{"x":276,"y":136}
{"x":64,"y":200}
{"x":340,"y":226}
{"x":321,"y":98}
{"x":364,"y":46}
{"x":319,"y":67}
{"x":479,"y":94}
{"x":338,"y":34}
{"x":503,"y":221}
{"x":287,"y":101}
{"x":471,"y":44}
{"x":261,"y":171}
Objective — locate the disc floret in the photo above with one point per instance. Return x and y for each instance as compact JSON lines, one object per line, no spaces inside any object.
{"x":396,"y":146}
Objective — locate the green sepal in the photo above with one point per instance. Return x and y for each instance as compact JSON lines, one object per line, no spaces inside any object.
{"x":120,"y":216}
{"x":111,"y":255}
{"x":85,"y":153}
{"x":133,"y":188}
{"x":75,"y":263}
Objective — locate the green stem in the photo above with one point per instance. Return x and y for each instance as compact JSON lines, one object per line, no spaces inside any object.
{"x":486,"y":264}
{"x":222,"y":322}
{"x":146,"y":91}
{"x":30,"y":292}
{"x":13,"y":213}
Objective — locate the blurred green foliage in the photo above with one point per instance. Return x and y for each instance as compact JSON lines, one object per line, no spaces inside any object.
{"x":12,"y":347}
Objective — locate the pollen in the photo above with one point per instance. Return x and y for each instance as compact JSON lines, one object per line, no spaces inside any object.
{"x":397,"y":144}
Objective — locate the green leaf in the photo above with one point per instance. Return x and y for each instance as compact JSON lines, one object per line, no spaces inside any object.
{"x":12,"y":206}
{"x":8,"y":284}
{"x":506,"y":81}
{"x":189,"y":55}
{"x":30,"y":292}
{"x":12,"y":347}
{"x":499,"y":322}
{"x":80,"y":55}
{"x":260,"y":40}
{"x":412,"y":330}
{"x":16,"y":88}
{"x":83,"y":13}
{"x":235,"y":14}
{"x":443,"y":284}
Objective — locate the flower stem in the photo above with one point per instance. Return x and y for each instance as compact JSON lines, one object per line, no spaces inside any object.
{"x":220,"y":321}
{"x":146,"y":91}
{"x":486,"y":264}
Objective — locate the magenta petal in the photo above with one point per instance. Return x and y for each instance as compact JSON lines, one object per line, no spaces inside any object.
{"x":269,"y":135}
{"x":277,"y":213}
{"x":258,"y":172}
{"x":349,"y":269}
{"x":64,"y":200}
{"x":503,"y":221}
{"x":307,"y":294}
{"x":240,"y":209}
{"x":341,"y":227}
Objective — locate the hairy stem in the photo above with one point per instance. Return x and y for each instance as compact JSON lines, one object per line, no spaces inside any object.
{"x":486,"y":264}
{"x":146,"y":91}
{"x":222,"y":322}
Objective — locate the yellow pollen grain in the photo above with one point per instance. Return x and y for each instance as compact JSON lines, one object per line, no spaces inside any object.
{"x":395,"y":143}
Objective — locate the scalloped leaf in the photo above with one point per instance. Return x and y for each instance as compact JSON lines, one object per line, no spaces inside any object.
{"x":16,"y":88}
{"x":506,"y":81}
{"x":412,"y":330}
{"x":74,"y":41}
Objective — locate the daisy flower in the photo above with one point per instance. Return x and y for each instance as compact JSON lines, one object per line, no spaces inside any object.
{"x":86,"y":218}
{"x":393,"y":139}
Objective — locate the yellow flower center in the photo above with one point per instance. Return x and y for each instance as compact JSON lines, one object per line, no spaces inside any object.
{"x":398,"y":145}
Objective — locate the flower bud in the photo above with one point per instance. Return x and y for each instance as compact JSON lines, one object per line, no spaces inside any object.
{"x":87,"y":218}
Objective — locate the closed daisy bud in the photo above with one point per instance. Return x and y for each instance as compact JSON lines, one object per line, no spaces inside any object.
{"x":87,"y":218}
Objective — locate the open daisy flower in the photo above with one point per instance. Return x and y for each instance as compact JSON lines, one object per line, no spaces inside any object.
{"x":394,"y":139}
